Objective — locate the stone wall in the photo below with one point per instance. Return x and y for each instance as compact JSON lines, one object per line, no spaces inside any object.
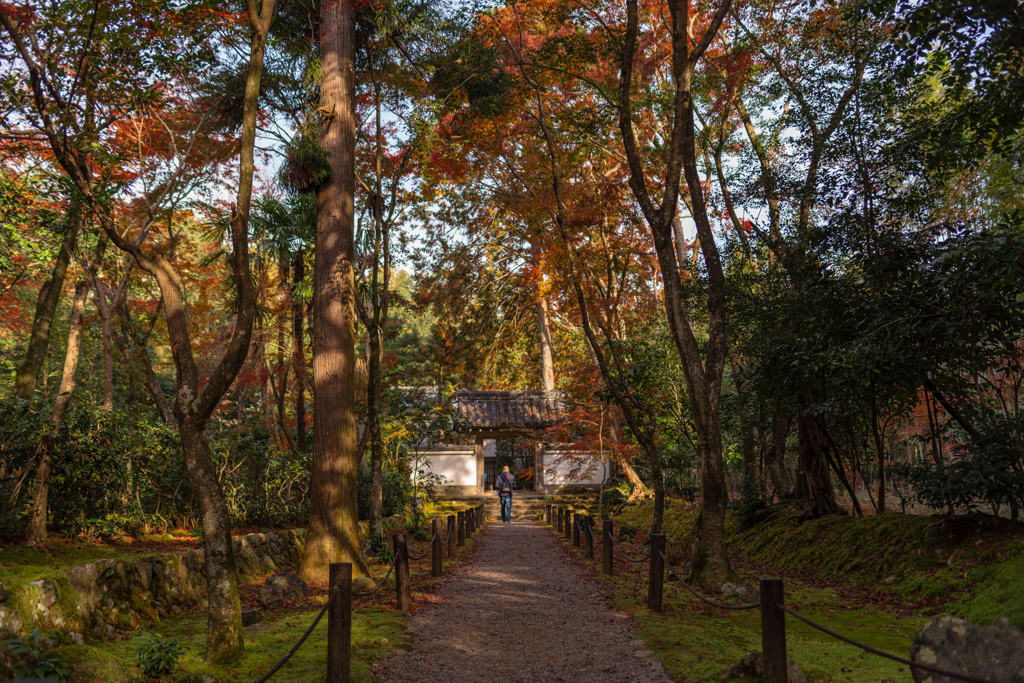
{"x":98,"y":598}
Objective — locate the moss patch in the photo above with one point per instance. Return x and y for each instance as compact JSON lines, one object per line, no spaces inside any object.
{"x":86,"y":664}
{"x":875,"y":579}
{"x":912,"y":563}
{"x":375,"y":633}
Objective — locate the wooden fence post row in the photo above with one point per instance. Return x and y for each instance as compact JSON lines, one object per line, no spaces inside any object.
{"x":558,"y":519}
{"x":773,"y":632}
{"x":606,"y":547}
{"x":453,"y":536}
{"x":547,"y":514}
{"x":568,"y":523}
{"x":575,"y":529}
{"x":657,"y":577}
{"x":462,"y":528}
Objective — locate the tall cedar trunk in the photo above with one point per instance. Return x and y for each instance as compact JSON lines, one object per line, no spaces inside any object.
{"x":547,"y":362}
{"x":298,"y":353}
{"x":49,"y":296}
{"x":36,"y":533}
{"x":193,"y":404}
{"x":103,"y":306}
{"x":333,"y":532}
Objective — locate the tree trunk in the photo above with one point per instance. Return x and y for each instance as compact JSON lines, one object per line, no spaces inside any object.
{"x":880,"y":449}
{"x":547,"y":362}
{"x":225,"y":637}
{"x":749,"y":442}
{"x":49,"y":296}
{"x":373,"y":425}
{"x":298,"y":353}
{"x":151,"y":380}
{"x":36,"y":534}
{"x":103,"y":306}
{"x":332,"y":534}
{"x":817,"y":480}
{"x":775,"y":457}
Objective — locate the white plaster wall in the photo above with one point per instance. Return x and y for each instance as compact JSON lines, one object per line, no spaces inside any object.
{"x":459,"y":469}
{"x":558,"y":469}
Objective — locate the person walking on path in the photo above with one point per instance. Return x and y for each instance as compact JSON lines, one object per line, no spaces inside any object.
{"x":504,"y":485}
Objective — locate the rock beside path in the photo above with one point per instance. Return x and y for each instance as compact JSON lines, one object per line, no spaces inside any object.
{"x":751,"y":666}
{"x":520,"y":611}
{"x":281,"y":587}
{"x":991,"y":653}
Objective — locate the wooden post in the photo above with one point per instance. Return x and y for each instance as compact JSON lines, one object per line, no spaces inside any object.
{"x":575,"y":529}
{"x":402,"y":573}
{"x":773,"y":632}
{"x":437,"y":552}
{"x":339,"y":623}
{"x":588,"y":538}
{"x":481,"y":513}
{"x":462,"y":529}
{"x":606,"y":548}
{"x":558,"y":519}
{"x":568,"y":523}
{"x":470,"y":527}
{"x":453,"y":536}
{"x":547,"y":514}
{"x":657,"y":577}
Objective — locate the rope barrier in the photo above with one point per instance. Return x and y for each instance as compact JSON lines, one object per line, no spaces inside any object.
{"x":426,"y":552}
{"x":615,"y":545}
{"x":720,"y":605}
{"x":881,"y":653}
{"x":378,"y":586}
{"x":297,"y":645}
{"x":590,"y":530}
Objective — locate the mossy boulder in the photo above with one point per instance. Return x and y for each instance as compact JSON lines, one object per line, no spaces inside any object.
{"x":88,"y":664}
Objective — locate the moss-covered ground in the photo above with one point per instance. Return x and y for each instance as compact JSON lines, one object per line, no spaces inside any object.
{"x":876,"y":580}
{"x":377,"y":626}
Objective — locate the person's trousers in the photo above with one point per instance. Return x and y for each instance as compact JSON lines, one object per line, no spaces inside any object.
{"x":506,"y":508}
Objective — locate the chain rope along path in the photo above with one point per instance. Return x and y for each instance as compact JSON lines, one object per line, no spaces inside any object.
{"x":519,"y":592}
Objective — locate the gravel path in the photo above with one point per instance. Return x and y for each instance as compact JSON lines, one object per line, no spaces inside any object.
{"x":520,"y":610}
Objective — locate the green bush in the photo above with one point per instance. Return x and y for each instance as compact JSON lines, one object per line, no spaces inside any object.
{"x":381,"y":548}
{"x":27,"y":655}
{"x":158,"y":656}
{"x":116,"y":473}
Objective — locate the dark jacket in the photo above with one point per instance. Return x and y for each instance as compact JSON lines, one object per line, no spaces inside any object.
{"x":504,"y":477}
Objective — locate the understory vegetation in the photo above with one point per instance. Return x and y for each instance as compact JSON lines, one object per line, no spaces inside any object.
{"x":876,"y":580}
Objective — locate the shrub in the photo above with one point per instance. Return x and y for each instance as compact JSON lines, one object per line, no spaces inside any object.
{"x":27,"y":654}
{"x":381,"y":548}
{"x":396,"y":493}
{"x":158,"y":656}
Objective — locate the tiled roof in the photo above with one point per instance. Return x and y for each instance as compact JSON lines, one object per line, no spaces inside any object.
{"x":496,"y":410}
